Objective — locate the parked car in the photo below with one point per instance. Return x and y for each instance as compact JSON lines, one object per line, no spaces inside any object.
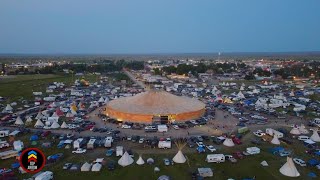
{"x":111,"y":165}
{"x":166,"y":161}
{"x":230,"y":158}
{"x":284,"y":153}
{"x":79,"y":151}
{"x":211,"y":148}
{"x":300,"y":162}
{"x":67,"y":166}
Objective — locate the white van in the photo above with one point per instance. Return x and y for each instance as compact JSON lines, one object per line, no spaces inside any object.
{"x":162,"y":128}
{"x":303,"y":138}
{"x":253,"y":150}
{"x":216,"y":158}
{"x":47,"y":175}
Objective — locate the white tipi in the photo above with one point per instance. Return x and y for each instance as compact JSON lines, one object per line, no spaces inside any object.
{"x":39,"y":123}
{"x":55,"y":125}
{"x":289,"y":169}
{"x":295,"y":131}
{"x":303,"y":130}
{"x":179,"y":157}
{"x":8,"y":108}
{"x":64,"y":125}
{"x":315,"y":136}
{"x":39,"y":115}
{"x":275,"y":140}
{"x":125,"y":160}
{"x":228,"y":142}
{"x":240,"y":95}
{"x":18,"y":121}
{"x":140,"y":161}
{"x":241,"y":88}
{"x":29,"y":120}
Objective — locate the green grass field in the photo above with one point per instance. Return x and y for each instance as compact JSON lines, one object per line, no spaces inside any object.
{"x":248,"y":167}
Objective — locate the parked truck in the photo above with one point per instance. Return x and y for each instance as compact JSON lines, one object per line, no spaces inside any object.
{"x":164,"y":143}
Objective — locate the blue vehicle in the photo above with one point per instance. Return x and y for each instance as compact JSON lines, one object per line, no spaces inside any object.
{"x":201,"y":149}
{"x":109,"y":152}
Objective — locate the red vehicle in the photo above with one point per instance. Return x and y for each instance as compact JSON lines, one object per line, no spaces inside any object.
{"x":89,"y":127}
{"x":46,"y":133}
{"x":238,"y":155}
{"x":236,"y":140}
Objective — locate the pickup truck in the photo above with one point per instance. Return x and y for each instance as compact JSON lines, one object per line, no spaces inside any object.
{"x":79,"y":151}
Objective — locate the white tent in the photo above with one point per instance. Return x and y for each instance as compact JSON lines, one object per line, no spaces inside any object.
{"x":240,"y":95}
{"x":18,"y":145}
{"x":179,"y":157}
{"x":64,"y":125}
{"x":69,"y":114}
{"x":140,"y":161}
{"x":125,"y":160}
{"x":255,"y":91}
{"x":39,"y":115}
{"x":228,"y":142}
{"x":73,"y":112}
{"x":18,"y":121}
{"x":8,"y":108}
{"x":264,"y":163}
{"x":275,"y":140}
{"x":86,"y":167}
{"x":289,"y":169}
{"x":241,"y":88}
{"x":101,"y":100}
{"x":55,"y":115}
{"x":295,"y":131}
{"x":315,"y":136}
{"x":150,"y":161}
{"x":303,"y":130}
{"x":291,"y":93}
{"x":55,"y":125}
{"x":215,"y":88}
{"x":29,"y":120}
{"x":39,"y":123}
{"x":96,"y":167}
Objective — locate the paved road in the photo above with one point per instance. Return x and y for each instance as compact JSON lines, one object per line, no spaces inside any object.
{"x":131,"y":76}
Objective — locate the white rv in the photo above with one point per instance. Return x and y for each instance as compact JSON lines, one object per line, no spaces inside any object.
{"x":108,"y":142}
{"x":78,"y":143}
{"x":216,"y":158}
{"x":91,"y":144}
{"x":47,"y":175}
{"x":119,"y":151}
{"x":272,"y":132}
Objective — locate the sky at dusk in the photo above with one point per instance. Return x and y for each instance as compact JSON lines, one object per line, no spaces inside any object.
{"x":158,"y":26}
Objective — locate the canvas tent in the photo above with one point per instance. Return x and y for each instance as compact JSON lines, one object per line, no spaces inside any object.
{"x":228,"y":142}
{"x":315,"y":136}
{"x":140,"y":161}
{"x":54,"y":125}
{"x":179,"y":157}
{"x":125,"y":160}
{"x":295,"y":131}
{"x":39,"y":115}
{"x":275,"y":140}
{"x":264,"y":163}
{"x":18,"y":121}
{"x":289,"y":169}
{"x":29,"y":120}
{"x":39,"y":123}
{"x":8,"y":108}
{"x":64,"y":125}
{"x":303,"y":130}
{"x":96,"y":167}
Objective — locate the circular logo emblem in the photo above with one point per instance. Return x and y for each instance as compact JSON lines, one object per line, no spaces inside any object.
{"x":32,"y":160}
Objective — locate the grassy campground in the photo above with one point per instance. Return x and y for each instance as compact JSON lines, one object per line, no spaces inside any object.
{"x":248,"y":167}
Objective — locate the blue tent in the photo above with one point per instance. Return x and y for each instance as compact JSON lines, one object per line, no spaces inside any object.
{"x":34,"y":138}
{"x":15,"y":165}
{"x":317,"y":153}
{"x":313,"y":162}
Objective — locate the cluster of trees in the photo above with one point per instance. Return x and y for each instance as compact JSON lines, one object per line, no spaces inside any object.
{"x":218,"y":68}
{"x":101,"y":67}
{"x":304,"y":71}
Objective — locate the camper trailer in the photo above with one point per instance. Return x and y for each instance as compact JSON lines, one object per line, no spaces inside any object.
{"x":253,"y":150}
{"x":9,"y":154}
{"x":91,"y":144}
{"x":272,"y":132}
{"x":108,"y":142}
{"x":164,"y":144}
{"x":119,"y":151}
{"x":47,"y":175}
{"x":4,"y":133}
{"x":216,"y":158}
{"x":78,"y":143}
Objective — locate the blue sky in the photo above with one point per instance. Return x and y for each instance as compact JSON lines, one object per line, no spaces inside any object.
{"x":158,"y":26}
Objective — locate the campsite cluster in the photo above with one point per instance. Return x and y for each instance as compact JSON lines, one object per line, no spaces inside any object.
{"x":240,"y":121}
